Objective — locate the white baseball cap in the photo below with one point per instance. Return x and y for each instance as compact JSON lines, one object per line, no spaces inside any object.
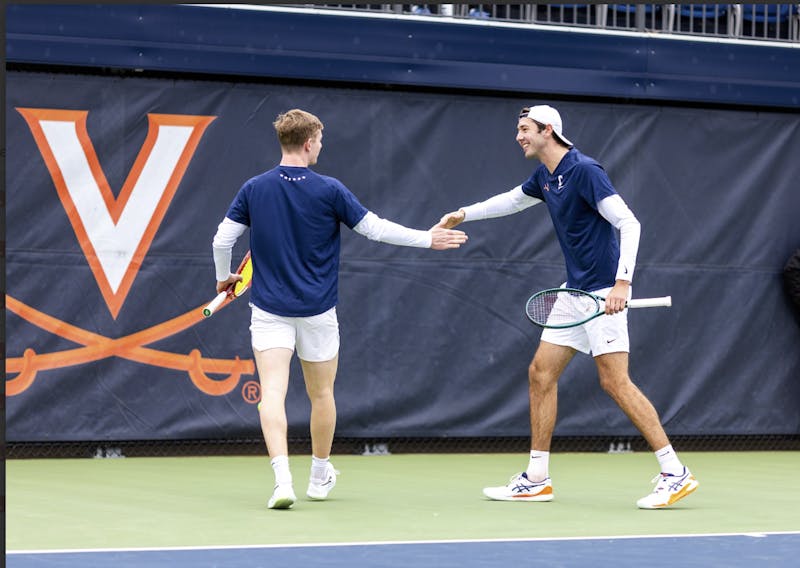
{"x":545,"y":114}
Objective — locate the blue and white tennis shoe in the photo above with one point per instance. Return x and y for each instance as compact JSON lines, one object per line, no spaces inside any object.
{"x":669,"y":489}
{"x":520,"y":488}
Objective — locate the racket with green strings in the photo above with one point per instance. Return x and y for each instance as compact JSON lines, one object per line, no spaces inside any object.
{"x":559,"y":308}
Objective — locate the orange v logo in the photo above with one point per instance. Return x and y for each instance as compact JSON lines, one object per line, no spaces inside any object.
{"x":115,"y":233}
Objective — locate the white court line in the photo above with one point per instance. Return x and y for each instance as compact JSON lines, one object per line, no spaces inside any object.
{"x":398,"y":542}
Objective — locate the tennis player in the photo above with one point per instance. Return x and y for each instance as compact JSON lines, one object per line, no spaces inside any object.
{"x":585,"y":210}
{"x":294,"y":216}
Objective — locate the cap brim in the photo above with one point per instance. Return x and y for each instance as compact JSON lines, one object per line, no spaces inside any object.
{"x":563,"y":138}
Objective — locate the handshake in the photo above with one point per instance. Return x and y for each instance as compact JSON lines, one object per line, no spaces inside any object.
{"x":442,"y":235}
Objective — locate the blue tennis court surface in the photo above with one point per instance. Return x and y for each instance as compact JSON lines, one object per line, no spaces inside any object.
{"x":762,"y":550}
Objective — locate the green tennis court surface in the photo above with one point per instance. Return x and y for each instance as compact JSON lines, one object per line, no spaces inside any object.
{"x":218,"y":501}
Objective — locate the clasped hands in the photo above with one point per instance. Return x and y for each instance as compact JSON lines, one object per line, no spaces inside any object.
{"x":442,"y":235}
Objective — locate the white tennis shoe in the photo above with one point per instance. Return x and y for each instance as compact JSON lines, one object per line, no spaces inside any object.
{"x":282,"y":498}
{"x":318,"y":489}
{"x":520,"y":488}
{"x":669,"y":489}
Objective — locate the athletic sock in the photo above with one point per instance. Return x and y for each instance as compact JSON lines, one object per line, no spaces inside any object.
{"x":538,"y":466}
{"x":280,"y":465}
{"x":319,"y":467}
{"x":668,"y":461}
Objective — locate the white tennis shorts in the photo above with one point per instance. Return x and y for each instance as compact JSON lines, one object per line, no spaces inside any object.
{"x":316,"y":338}
{"x":603,"y":334}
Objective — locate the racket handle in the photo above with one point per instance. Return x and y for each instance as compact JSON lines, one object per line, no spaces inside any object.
{"x":663,"y":302}
{"x":215,"y":303}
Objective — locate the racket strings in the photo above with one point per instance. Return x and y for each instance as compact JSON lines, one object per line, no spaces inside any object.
{"x":560,"y":307}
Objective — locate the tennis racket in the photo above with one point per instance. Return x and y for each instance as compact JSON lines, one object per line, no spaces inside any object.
{"x":558,"y":308}
{"x":234,"y":290}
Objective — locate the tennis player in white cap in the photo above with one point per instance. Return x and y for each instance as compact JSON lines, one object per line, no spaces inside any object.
{"x":586,"y":211}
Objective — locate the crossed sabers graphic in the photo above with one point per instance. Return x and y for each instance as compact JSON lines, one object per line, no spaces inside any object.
{"x":130,"y":347}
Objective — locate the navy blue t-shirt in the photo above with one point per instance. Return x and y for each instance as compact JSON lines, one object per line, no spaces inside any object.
{"x":588,"y":240}
{"x":294,"y":216}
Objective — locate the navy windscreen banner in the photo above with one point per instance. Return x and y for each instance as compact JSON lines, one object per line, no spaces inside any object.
{"x":116,"y":184}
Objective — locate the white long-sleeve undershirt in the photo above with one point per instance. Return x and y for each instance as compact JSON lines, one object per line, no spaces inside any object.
{"x":502,"y":204}
{"x":612,"y":208}
{"x":228,"y":232}
{"x":385,"y":231}
{"x":370,"y":226}
{"x":615,"y":211}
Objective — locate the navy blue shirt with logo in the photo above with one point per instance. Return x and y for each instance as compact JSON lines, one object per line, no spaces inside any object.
{"x":588,"y":241}
{"x":294,"y":215}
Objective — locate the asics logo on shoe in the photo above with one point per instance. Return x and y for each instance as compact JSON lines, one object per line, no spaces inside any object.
{"x":675,"y":485}
{"x":670,"y":488}
{"x":530,"y":488}
{"x":527,"y":488}
{"x":520,"y":488}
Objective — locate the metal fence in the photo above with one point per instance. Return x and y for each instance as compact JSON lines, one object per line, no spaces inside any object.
{"x":385,"y":446}
{"x":764,"y":22}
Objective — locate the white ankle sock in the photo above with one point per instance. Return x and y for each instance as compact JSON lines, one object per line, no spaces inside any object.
{"x":319,"y":467}
{"x":280,"y":465}
{"x":668,"y":461}
{"x":538,"y":466}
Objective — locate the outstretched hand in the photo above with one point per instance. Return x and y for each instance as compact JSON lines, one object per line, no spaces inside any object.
{"x":442,"y":239}
{"x":450,"y":220}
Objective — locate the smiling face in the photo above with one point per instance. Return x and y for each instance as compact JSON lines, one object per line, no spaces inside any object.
{"x":531,"y":137}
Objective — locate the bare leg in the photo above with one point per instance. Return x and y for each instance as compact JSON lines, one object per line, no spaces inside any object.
{"x":614,"y":378}
{"x":319,"y":377}
{"x":273,"y":372}
{"x":543,"y":373}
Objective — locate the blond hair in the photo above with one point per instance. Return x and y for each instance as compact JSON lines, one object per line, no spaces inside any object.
{"x":296,"y":126}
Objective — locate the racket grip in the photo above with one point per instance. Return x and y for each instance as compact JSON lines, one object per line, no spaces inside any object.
{"x":215,"y":303}
{"x":663,"y":302}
